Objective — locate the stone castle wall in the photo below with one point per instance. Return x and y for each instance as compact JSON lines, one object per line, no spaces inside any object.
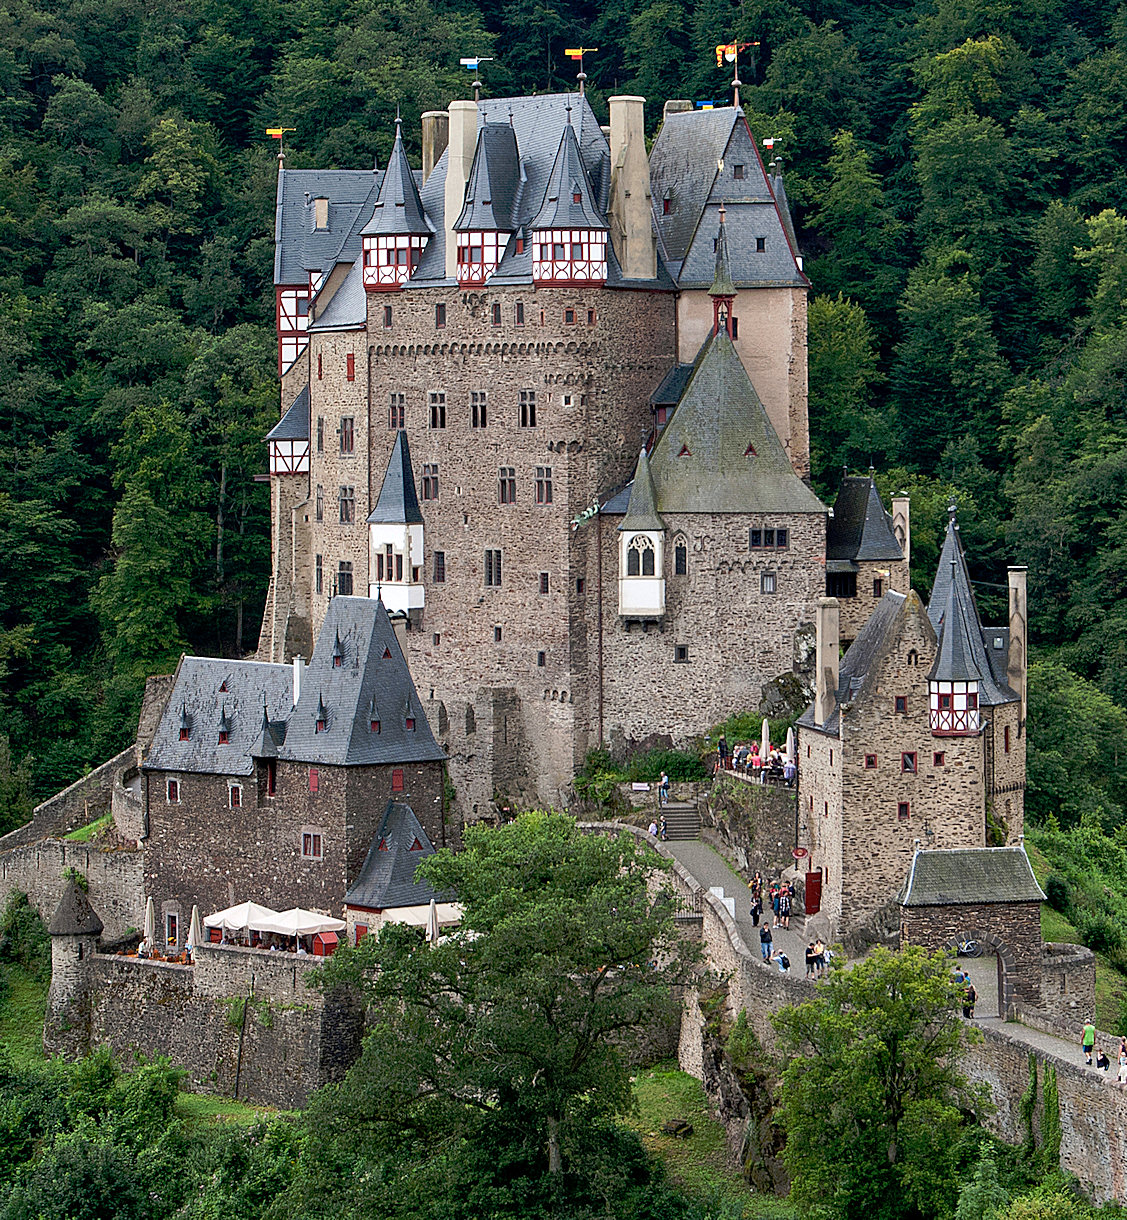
{"x":751,"y":824}
{"x":83,"y":801}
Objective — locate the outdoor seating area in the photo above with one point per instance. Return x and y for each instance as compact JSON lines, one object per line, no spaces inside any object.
{"x":760,"y":762}
{"x":247,"y":925}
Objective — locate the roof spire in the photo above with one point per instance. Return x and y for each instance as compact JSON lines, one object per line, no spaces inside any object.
{"x":723,"y":291}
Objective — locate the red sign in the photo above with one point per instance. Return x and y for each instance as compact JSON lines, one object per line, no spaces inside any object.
{"x":800,"y":853}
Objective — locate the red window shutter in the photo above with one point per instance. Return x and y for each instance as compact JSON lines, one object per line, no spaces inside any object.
{"x":314,"y":779}
{"x":350,"y":366}
{"x":397,"y":780}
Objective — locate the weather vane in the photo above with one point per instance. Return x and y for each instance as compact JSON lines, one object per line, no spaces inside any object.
{"x":278,"y":133}
{"x":473,"y":63}
{"x":730,"y":52}
{"x":578,"y":53}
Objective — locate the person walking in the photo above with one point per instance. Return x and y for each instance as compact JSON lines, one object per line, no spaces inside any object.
{"x":1087,"y":1041}
{"x":1123,"y":1060}
{"x":970,"y":996}
{"x":766,"y":941}
{"x":784,"y":907}
{"x":756,"y":909}
{"x":663,"y":789}
{"x":663,"y":829}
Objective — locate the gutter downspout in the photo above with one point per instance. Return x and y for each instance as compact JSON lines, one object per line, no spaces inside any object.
{"x":599,"y":583}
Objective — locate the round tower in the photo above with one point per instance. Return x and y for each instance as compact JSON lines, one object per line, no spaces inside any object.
{"x":74,"y":928}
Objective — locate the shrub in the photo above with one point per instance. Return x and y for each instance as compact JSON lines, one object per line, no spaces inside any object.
{"x":1057,"y":892}
{"x":679,"y":765}
{"x":23,"y":937}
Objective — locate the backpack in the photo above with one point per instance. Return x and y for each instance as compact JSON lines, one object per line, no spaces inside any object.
{"x":784,"y":961}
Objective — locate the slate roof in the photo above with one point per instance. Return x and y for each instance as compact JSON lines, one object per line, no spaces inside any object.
{"x":387,"y":878}
{"x":970,"y":875}
{"x":860,"y":528}
{"x":561,"y":209}
{"x":672,"y":386}
{"x":294,"y":425}
{"x":299,"y":248}
{"x":953,"y":607}
{"x":701,"y":461}
{"x":373,"y":673}
{"x":198,"y":692}
{"x":684,"y":168}
{"x":872,"y":642}
{"x":398,"y":210}
{"x":74,"y":916}
{"x":398,"y":503}
{"x":348,"y":307}
{"x":641,"y":513}
{"x":494,"y":180}
{"x":783,"y":205}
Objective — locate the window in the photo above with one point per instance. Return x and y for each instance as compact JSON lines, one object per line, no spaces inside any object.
{"x":492,"y":568}
{"x":767,"y":539}
{"x":543,"y":582}
{"x":271,"y":776}
{"x":347,"y":434}
{"x":870,"y":762}
{"x":761,"y":245}
{"x":781,"y":540}
{"x":409,"y":724}
{"x":319,"y":504}
{"x":320,"y":367}
{"x":347,"y":505}
{"x":543,"y":484}
{"x":640,"y":556}
{"x":590,"y":317}
{"x":350,"y":366}
{"x":496,"y":635}
{"x":374,"y":724}
{"x":318,"y":574}
{"x":235,"y":796}
{"x":878,"y":588}
{"x":387,"y":317}
{"x":185,"y":733}
{"x":908,"y":763}
{"x":439,"y":316}
{"x":569,"y":317}
{"x":172,"y":792}
{"x":439,"y":567}
{"x":541,"y":659}
{"x":972,"y":701}
{"x":903,"y":811}
{"x":913,"y":657}
{"x":737,"y":171}
{"x":430,"y":480}
{"x":314,"y":780}
{"x":754,"y":539}
{"x":735,"y":324}
{"x":528,"y":408}
{"x":478,"y":409}
{"x":766,"y":582}
{"x":681,"y":653}
{"x":580,"y":586}
{"x":496,"y":311}
{"x":224,"y":737}
{"x":397,"y":780}
{"x":901,"y":704}
{"x":518,"y":310}
{"x":397,"y":409}
{"x":938,"y":759}
{"x":312,"y":845}
{"x":945,"y":703}
{"x":320,"y":434}
{"x":559,"y":251}
{"x":436,"y":639}
{"x":344,"y":579}
{"x":438,"y":410}
{"x":507,"y":485}
{"x":680,"y":560}
{"x":841,"y":584}
{"x":361,"y":932}
{"x":321,"y":725}
{"x":172,"y":928}
{"x":666,"y":206}
{"x":1006,"y":738}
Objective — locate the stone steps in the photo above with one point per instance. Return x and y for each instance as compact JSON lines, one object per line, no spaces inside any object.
{"x":682,"y":821}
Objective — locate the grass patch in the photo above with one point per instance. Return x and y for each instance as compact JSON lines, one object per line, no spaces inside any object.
{"x":21,"y":1018}
{"x":697,"y":1164}
{"x":206,"y":1109}
{"x":91,"y":830}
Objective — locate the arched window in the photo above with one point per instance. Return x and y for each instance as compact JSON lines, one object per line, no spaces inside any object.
{"x":640,"y":556}
{"x":680,"y":558}
{"x":913,"y":657}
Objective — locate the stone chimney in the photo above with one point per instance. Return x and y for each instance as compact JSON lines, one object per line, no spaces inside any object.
{"x":459,"y":159}
{"x":825,"y":690}
{"x":675,"y":106}
{"x":398,"y":621}
{"x":631,"y":224}
{"x":436,"y":135}
{"x":1017,"y":657}
{"x":902,"y":524}
{"x":298,"y":670}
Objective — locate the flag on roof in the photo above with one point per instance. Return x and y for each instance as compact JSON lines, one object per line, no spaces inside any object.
{"x":278,"y":132}
{"x":578,"y":52}
{"x":474,"y":62}
{"x":729,"y":50}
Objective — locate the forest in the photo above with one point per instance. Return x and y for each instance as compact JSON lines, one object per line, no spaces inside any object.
{"x":957,"y":174}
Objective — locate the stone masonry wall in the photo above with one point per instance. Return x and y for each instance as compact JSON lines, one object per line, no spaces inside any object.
{"x":856,"y":611}
{"x":750,"y":824}
{"x":83,"y":801}
{"x":1005,"y":778}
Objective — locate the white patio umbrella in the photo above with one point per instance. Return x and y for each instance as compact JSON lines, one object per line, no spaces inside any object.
{"x":790,"y":745}
{"x":432,"y":923}
{"x":245,"y":915}
{"x":195,"y":931}
{"x":299,"y":922}
{"x":765,"y":744}
{"x":150,"y":925}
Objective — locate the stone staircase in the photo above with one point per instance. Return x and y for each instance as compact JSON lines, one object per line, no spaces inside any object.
{"x":682,"y":821}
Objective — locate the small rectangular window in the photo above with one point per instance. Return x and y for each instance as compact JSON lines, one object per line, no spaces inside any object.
{"x":518,"y":310}
{"x":172,"y":929}
{"x":507,"y":485}
{"x":319,"y":504}
{"x":347,"y":434}
{"x":172,"y":792}
{"x":438,"y":409}
{"x":938,"y":759}
{"x":528,"y":408}
{"x":312,"y":845}
{"x":387,"y":317}
{"x":320,"y":434}
{"x":1006,"y":738}
{"x":870,"y":762}
{"x":396,"y":411}
{"x":439,"y":316}
{"x":543,"y":582}
{"x":543,"y":484}
{"x":344,"y":579}
{"x":541,"y":659}
{"x":235,"y":796}
{"x":492,"y":567}
{"x":754,"y":539}
{"x":439,"y":567}
{"x":580,"y":586}
{"x":972,"y":701}
{"x":320,"y":367}
{"x":681,"y":653}
{"x":496,"y":314}
{"x":350,"y":366}
{"x":901,"y":704}
{"x":347,"y":505}
{"x":590,"y":317}
{"x":496,"y":635}
{"x":903,"y":811}
{"x":271,"y":776}
{"x":878,"y":588}
{"x":430,"y":480}
{"x":314,"y":780}
{"x":761,"y":245}
{"x":666,"y":206}
{"x":735,"y":324}
{"x":478,"y":409}
{"x":908,"y":763}
{"x":766,"y":582}
{"x":680,"y":560}
{"x":397,"y":779}
{"x":769,"y":538}
{"x":318,"y":574}
{"x":737,"y":171}
{"x":781,"y":540}
{"x":569,"y":317}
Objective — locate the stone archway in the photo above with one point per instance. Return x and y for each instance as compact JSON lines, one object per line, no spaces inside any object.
{"x":1007,"y":966}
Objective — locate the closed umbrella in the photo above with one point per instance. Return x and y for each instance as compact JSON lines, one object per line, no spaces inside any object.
{"x":150,"y":925}
{"x":195,"y":931}
{"x":790,"y":745}
{"x":765,"y":744}
{"x":432,"y":923}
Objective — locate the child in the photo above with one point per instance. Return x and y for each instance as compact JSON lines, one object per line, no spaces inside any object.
{"x":1102,"y":1061}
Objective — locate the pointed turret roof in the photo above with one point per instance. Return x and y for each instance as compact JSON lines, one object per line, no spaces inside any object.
{"x":569,"y":198}
{"x":722,"y":285}
{"x":387,"y":878}
{"x":783,"y":205}
{"x":74,"y":916}
{"x":641,"y":514}
{"x":398,"y":209}
{"x":494,"y":179}
{"x":270,"y":736}
{"x":398,"y":502}
{"x":294,"y":425}
{"x":860,"y":528}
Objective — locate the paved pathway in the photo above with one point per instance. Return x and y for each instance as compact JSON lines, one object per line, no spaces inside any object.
{"x":710,"y":868}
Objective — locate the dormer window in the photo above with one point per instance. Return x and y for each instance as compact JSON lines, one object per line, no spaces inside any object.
{"x":415,"y":844}
{"x":410,"y":724}
{"x":321,"y":726}
{"x":374,"y":725}
{"x":183,"y":733}
{"x":224,"y":737}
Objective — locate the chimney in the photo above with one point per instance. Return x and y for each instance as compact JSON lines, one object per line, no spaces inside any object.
{"x":676,"y":106}
{"x":459,"y":159}
{"x":1017,"y":657}
{"x":436,"y":135}
{"x":631,"y":225}
{"x":826,"y":659}
{"x":399,"y":623}
{"x":902,"y":524}
{"x":298,"y":669}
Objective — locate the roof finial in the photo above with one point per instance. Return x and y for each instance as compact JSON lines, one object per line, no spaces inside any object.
{"x":398,"y":120}
{"x":568,"y":109}
{"x":872,"y":470}
{"x":578,"y":53}
{"x":952,"y":509}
